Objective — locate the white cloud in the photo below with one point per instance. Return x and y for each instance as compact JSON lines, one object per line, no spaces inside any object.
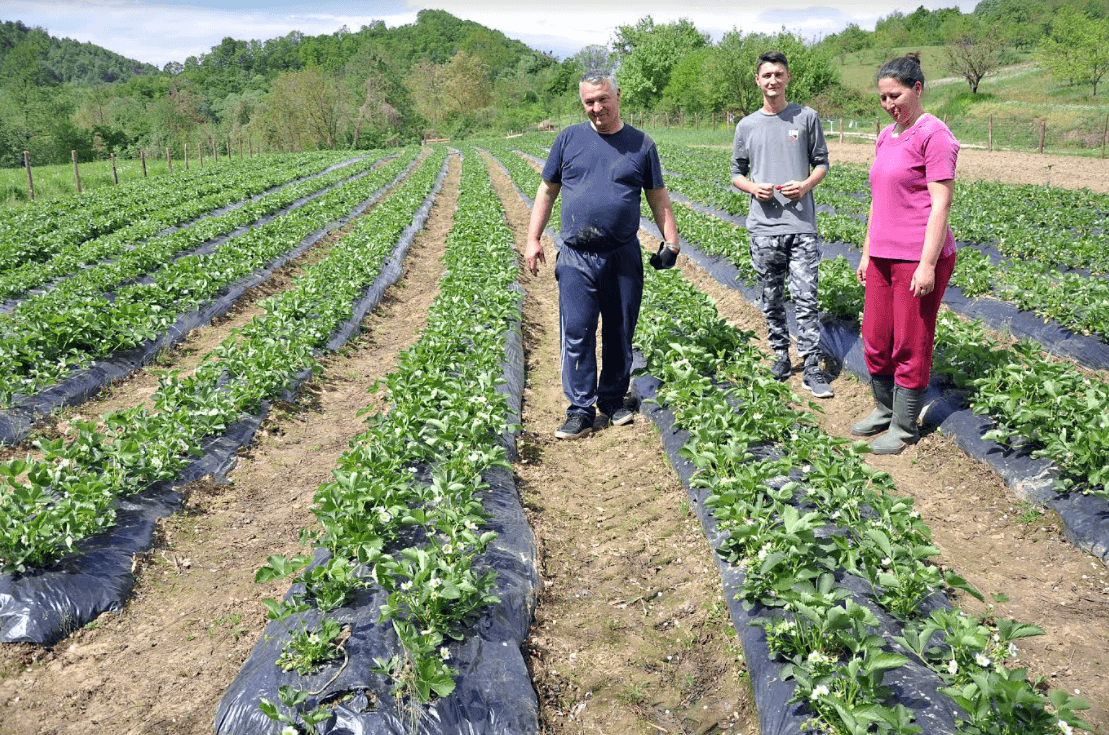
{"x":159,"y":31}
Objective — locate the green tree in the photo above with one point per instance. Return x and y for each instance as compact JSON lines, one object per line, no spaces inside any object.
{"x":648,"y":53}
{"x":427,"y":83}
{"x":306,"y":110}
{"x":1076,"y":47}
{"x":691,"y":86}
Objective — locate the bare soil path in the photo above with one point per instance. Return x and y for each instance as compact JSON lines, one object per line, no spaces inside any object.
{"x":1014,"y":167}
{"x":631,"y":634}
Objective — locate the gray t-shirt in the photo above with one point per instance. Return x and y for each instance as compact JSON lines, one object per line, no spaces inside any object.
{"x":602,"y":177}
{"x":776,"y":149}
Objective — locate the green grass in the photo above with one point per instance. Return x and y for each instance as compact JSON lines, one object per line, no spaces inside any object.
{"x":1018,"y":97}
{"x":859,"y":68}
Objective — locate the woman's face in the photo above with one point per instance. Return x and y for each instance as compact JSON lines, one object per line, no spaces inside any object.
{"x":900,"y":102}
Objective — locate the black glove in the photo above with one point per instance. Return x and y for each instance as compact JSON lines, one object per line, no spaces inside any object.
{"x":666,"y":256}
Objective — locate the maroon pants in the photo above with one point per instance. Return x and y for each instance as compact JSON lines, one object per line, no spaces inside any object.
{"x":899,"y":329}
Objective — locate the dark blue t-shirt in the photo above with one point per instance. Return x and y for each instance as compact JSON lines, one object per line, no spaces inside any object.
{"x":601,"y":178}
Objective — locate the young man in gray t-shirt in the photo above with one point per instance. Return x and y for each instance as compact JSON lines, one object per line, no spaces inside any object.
{"x":778,"y":157}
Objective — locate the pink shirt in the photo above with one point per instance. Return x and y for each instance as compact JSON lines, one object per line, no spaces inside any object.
{"x":903,"y":166}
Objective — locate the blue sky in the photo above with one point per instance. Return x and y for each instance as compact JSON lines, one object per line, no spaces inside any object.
{"x":159,"y":31}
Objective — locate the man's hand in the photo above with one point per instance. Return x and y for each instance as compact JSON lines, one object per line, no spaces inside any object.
{"x":533,"y":256}
{"x":666,"y":256}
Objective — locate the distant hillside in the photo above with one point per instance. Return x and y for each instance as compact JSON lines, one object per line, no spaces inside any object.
{"x":62,"y":60}
{"x":236,"y":65}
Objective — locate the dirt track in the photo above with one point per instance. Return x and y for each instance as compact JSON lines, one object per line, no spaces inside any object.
{"x":1069,"y":172}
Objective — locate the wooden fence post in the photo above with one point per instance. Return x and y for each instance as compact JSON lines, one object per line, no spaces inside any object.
{"x":76,"y":172}
{"x":1104,"y":135}
{"x":877,"y":126}
{"x":115,"y":174}
{"x":30,"y":181}
{"x":142,"y":156}
{"x":228,"y":149}
{"x":186,"y":155}
{"x":1043,"y":135}
{"x":989,"y":134}
{"x":169,"y":160}
{"x":841,"y":130}
{"x":215,"y":152}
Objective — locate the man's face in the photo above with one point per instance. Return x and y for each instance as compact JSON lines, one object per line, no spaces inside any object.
{"x":772,"y":80}
{"x":602,"y":106}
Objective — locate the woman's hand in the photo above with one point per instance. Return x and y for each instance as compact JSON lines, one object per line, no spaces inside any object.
{"x":860,"y":272}
{"x":924,"y":280}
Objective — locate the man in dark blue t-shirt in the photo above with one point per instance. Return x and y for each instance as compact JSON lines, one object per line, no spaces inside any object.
{"x":601,"y":167}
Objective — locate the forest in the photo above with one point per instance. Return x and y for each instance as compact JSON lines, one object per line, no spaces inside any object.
{"x":446,"y":77}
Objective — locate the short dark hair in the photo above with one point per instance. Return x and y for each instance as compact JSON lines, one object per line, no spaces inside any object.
{"x":905,"y":69}
{"x":772,"y":57}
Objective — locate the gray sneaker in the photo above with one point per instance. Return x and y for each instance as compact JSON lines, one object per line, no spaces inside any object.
{"x":781,"y":368}
{"x":815,"y":381}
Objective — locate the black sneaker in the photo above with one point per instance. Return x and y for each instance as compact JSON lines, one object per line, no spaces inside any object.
{"x":781,"y":368}
{"x":621,"y":416}
{"x":815,"y":381}
{"x":576,"y":426}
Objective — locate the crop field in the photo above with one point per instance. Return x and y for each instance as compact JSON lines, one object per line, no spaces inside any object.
{"x":278,"y":457}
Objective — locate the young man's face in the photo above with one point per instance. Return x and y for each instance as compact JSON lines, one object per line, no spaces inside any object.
{"x":772,"y":80}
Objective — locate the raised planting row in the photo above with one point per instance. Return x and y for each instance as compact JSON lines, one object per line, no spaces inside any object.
{"x":1062,"y":227}
{"x":1048,"y":408}
{"x":845,"y":624}
{"x":410,"y":614}
{"x":250,"y":197}
{"x":1045,"y":241}
{"x":36,"y":232}
{"x":121,"y":304}
{"x":71,"y":492}
{"x":829,"y":565}
{"x":1045,"y":427}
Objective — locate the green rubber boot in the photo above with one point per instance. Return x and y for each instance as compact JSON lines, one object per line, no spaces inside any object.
{"x":879,"y":419}
{"x":907,"y":404}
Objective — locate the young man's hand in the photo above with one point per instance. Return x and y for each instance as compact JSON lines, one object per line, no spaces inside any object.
{"x":764,"y":192}
{"x":793,"y":190}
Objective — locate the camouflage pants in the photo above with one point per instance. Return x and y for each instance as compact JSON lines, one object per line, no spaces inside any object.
{"x":775,"y":256}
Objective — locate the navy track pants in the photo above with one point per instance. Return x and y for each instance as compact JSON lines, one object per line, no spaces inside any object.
{"x":591,"y":285}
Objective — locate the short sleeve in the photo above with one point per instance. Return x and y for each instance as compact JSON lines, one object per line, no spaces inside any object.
{"x":818,"y":147}
{"x":741,"y":159}
{"x":941,"y":151}
{"x":552,"y":169}
{"x":653,"y":178}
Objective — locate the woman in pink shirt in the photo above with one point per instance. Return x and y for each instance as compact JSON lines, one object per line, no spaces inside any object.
{"x":908,"y":254}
